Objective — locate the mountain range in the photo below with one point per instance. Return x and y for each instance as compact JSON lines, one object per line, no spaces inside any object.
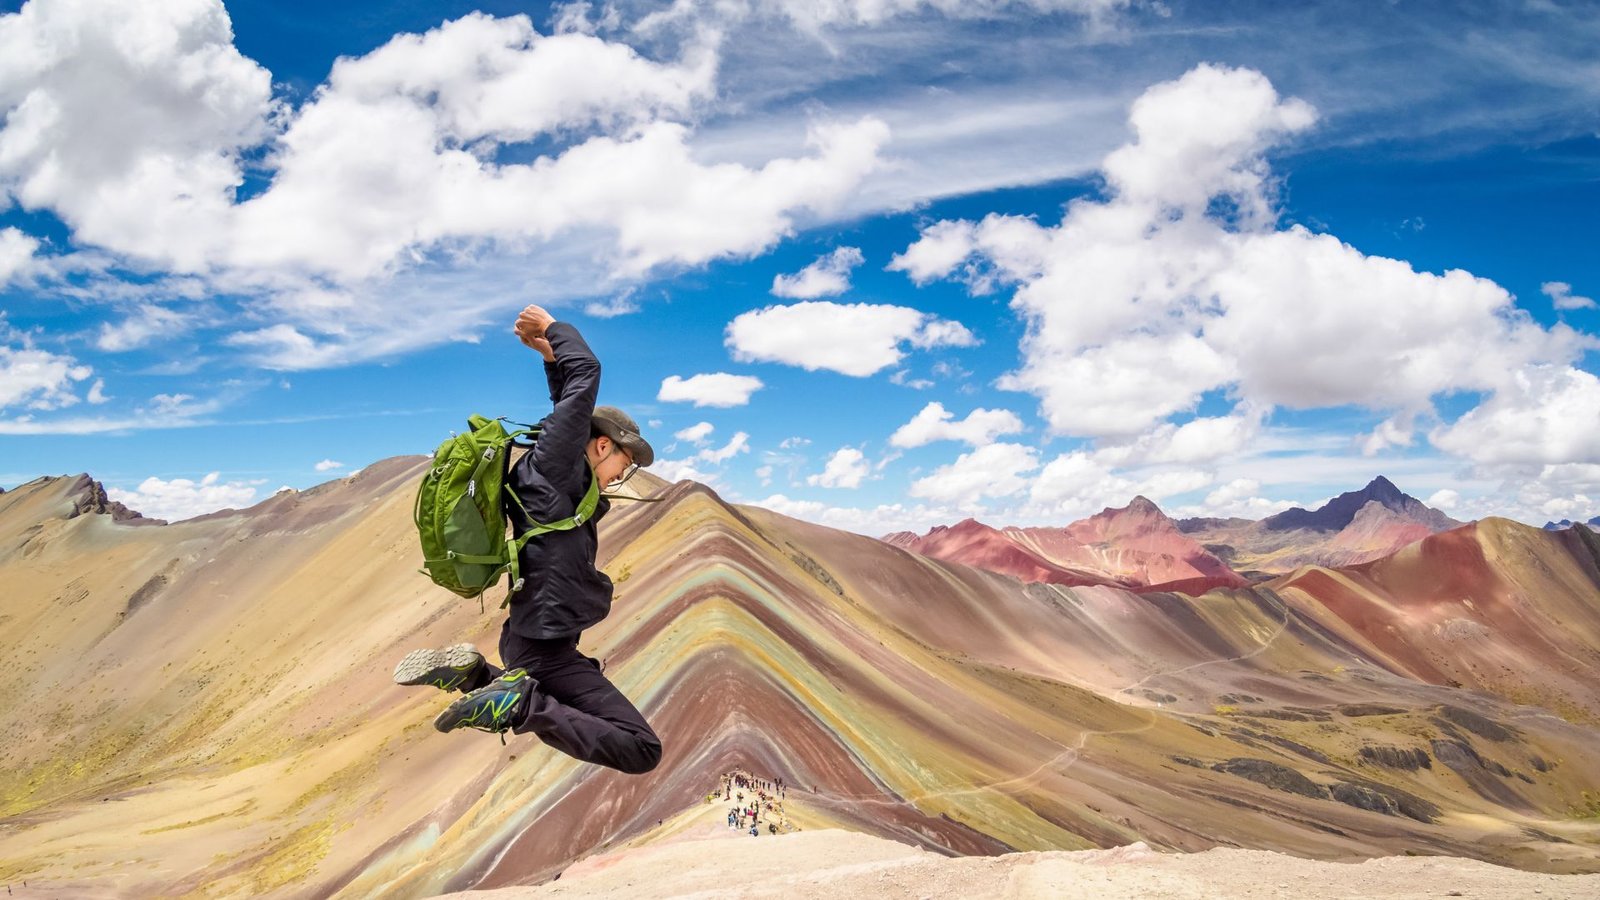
{"x":1593,"y":523}
{"x":206,"y":706}
{"x":1139,"y":547}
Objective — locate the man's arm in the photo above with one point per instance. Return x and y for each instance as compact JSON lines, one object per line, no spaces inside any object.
{"x":574,"y":376}
{"x":552,"y":372}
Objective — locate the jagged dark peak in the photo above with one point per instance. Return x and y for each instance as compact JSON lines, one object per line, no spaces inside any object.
{"x":1341,"y":510}
{"x":1384,"y":491}
{"x":89,"y":496}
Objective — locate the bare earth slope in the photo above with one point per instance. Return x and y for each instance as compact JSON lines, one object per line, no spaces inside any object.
{"x":211,"y":699}
{"x":1135,"y":546}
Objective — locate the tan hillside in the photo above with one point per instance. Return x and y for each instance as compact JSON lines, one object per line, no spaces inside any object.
{"x":205,"y":707}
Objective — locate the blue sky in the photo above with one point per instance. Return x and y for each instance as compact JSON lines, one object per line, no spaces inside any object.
{"x":1229,"y":256}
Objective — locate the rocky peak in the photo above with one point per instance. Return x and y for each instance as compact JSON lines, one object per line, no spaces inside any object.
{"x":1339,"y":512}
{"x":89,"y":496}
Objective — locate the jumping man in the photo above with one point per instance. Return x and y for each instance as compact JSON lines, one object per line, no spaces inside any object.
{"x":547,"y":686}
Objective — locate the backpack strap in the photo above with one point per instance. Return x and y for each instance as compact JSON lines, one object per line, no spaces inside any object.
{"x":584,"y":512}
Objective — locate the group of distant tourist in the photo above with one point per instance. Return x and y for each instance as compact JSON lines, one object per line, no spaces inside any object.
{"x":756,"y":801}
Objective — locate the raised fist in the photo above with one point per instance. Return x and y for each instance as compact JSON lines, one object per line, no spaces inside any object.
{"x":531,"y":323}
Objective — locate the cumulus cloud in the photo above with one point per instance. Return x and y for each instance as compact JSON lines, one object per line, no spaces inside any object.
{"x":128,"y":121}
{"x":827,"y":277}
{"x":1239,"y":498}
{"x":700,"y":466}
{"x":140,"y":328}
{"x":719,"y":389}
{"x":183,"y":498}
{"x":993,"y":470}
{"x":850,"y":338}
{"x":328,"y":465}
{"x":872,"y":521}
{"x":739,"y":443}
{"x":695,"y":434}
{"x":1201,"y":439}
{"x":935,"y":423}
{"x":1077,"y":484}
{"x":1444,"y":498}
{"x":1181,"y":282}
{"x":1562,"y":297}
{"x":33,"y":378}
{"x":1544,"y":414}
{"x":16,"y":252}
{"x":132,"y":125}
{"x":845,"y":469}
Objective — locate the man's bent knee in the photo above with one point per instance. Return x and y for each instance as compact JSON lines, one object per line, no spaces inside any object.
{"x":648,"y":757}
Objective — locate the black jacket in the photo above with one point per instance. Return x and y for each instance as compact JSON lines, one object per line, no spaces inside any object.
{"x":563,"y":593}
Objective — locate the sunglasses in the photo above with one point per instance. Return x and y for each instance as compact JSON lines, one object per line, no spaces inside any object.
{"x":627,"y":472}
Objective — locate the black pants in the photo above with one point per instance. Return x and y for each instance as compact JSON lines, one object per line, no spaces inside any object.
{"x":573,"y":707}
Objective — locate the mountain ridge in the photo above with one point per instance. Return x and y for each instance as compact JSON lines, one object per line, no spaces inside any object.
{"x":911,"y":698}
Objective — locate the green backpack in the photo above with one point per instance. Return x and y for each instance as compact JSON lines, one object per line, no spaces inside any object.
{"x":459,"y":516}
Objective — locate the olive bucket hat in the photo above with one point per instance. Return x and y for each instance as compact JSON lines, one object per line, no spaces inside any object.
{"x":624,"y":431}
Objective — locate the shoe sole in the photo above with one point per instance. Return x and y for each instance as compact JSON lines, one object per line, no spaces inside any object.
{"x":422,"y":666}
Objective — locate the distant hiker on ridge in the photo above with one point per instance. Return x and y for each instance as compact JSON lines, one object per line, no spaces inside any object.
{"x":548,"y":687}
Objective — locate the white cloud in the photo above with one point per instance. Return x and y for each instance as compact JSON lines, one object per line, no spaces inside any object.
{"x":143,"y":326}
{"x":940,"y":248}
{"x":1444,"y":498}
{"x":1201,"y":439}
{"x":1077,"y":484}
{"x":719,"y":389}
{"x":993,"y":470}
{"x":850,"y":338}
{"x":871,"y":521}
{"x":328,"y":465}
{"x":620,"y":305}
{"x":675,"y":470}
{"x":1396,"y":431}
{"x":903,"y":377}
{"x":1239,"y":498}
{"x":693,"y":467}
{"x":97,"y":392}
{"x":823,"y":20}
{"x":37,"y":379}
{"x":789,"y":443}
{"x":1544,"y":414}
{"x":127,"y":120}
{"x":16,"y":252}
{"x":131,"y":126}
{"x":695,"y":434}
{"x":182,"y":498}
{"x":1180,"y":282}
{"x":1561,"y":296}
{"x":845,"y":469}
{"x":739,"y":443}
{"x":827,"y":277}
{"x":935,"y":423}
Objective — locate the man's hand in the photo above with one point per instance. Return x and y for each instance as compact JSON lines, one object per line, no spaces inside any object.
{"x":531,"y":323}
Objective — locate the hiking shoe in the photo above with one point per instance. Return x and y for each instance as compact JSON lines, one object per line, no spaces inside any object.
{"x":446,"y":669}
{"x":495,"y":707}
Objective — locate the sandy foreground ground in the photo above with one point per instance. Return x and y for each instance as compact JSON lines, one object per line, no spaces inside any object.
{"x":704,"y":858}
